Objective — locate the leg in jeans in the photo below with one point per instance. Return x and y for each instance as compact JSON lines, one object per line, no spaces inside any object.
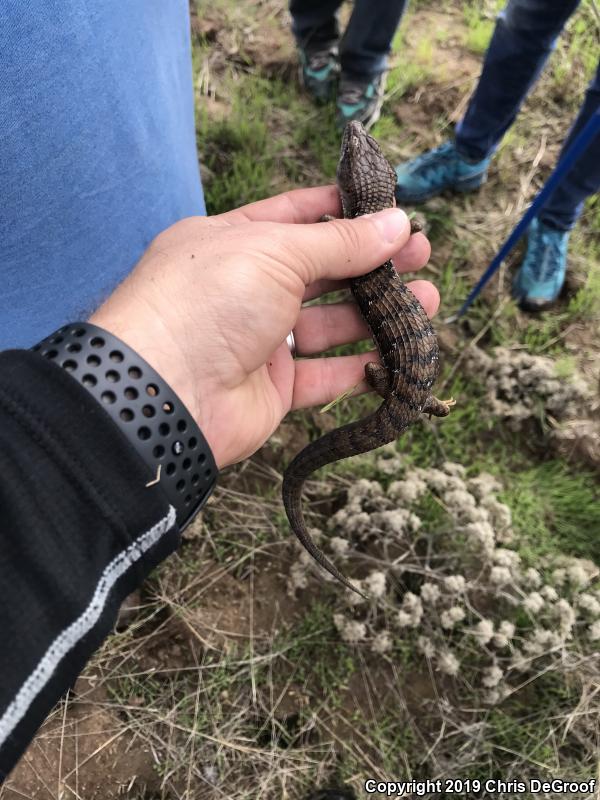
{"x":315,"y":27}
{"x":313,"y":20}
{"x":566,"y":202}
{"x":363,"y":57}
{"x":525,"y":34}
{"x":524,"y":37}
{"x":363,"y":53}
{"x":368,"y":38}
{"x":539,"y":281}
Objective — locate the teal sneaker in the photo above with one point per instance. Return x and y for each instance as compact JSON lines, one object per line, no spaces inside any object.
{"x":437,"y":170}
{"x":319,"y":70}
{"x":360,"y":99}
{"x":538,"y":282}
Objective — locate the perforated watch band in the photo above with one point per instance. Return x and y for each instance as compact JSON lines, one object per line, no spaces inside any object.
{"x":144,"y":407}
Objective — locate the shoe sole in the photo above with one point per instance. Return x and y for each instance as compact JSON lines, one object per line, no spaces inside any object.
{"x":368,"y":124}
{"x":535,"y":308}
{"x":375,"y":114}
{"x":463,"y":187}
{"x":532,"y":306}
{"x":320,"y":99}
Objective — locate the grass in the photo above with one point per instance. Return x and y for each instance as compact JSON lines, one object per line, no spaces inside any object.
{"x":556,"y":508}
{"x":479,"y":29}
{"x":410,"y":71}
{"x":281,"y":703}
{"x":554,"y":505}
{"x":585,"y":304}
{"x":576,"y":58}
{"x":304,"y":649}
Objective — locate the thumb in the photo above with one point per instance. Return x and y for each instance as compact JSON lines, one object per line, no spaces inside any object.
{"x":345,"y":248}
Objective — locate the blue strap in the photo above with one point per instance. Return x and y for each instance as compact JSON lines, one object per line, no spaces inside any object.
{"x":583,"y":139}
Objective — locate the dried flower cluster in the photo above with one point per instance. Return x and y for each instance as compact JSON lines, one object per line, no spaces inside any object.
{"x":520,"y":385}
{"x":456,"y":589}
{"x":580,"y":438}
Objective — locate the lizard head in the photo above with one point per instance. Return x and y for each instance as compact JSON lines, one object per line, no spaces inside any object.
{"x":364,"y":176}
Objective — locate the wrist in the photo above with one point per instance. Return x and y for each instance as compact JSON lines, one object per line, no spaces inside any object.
{"x":144,"y":406}
{"x":150,"y":337}
{"x":144,"y":329}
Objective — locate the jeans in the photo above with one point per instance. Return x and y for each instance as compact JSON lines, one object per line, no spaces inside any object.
{"x":524,"y":37}
{"x":97,"y":151}
{"x":368,"y":38}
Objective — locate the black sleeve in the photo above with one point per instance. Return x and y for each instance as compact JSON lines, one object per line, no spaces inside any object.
{"x":79,"y":530}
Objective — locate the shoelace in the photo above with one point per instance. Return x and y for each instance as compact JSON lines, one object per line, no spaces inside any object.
{"x":546,"y":253}
{"x":352,"y":94}
{"x":430,"y":162}
{"x":319,"y":60}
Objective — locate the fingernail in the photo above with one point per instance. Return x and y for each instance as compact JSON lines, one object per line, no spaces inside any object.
{"x":391,"y":222}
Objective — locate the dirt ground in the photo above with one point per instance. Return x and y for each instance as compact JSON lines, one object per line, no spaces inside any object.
{"x":116,"y":735}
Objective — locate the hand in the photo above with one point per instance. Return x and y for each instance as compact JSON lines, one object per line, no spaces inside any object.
{"x":211,"y":302}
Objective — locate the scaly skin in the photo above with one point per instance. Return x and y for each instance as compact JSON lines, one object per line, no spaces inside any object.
{"x":401,"y":329}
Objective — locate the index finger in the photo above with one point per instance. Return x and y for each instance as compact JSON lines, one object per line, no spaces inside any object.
{"x":297,"y":206}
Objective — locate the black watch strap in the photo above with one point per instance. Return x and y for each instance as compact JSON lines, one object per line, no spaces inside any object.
{"x":144,"y":407}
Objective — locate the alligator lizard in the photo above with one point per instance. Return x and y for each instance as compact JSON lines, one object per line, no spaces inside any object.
{"x":404,"y":337}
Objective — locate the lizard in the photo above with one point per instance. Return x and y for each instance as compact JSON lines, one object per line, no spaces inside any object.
{"x":402,"y":332}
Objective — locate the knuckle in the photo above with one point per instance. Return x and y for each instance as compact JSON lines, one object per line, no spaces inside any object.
{"x":349,"y":236}
{"x":175,"y":233}
{"x":329,"y":381}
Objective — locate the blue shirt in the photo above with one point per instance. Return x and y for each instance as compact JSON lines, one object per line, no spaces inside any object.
{"x":97,"y":151}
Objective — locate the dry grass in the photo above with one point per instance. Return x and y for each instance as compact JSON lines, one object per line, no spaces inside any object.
{"x":226,"y":684}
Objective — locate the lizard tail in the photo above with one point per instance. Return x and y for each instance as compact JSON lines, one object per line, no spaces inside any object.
{"x":357,"y":437}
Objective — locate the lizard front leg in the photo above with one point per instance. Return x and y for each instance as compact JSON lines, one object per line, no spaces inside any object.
{"x":378,"y":378}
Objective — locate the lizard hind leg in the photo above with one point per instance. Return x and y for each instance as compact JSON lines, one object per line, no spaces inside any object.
{"x":378,"y":378}
{"x":438,"y":408}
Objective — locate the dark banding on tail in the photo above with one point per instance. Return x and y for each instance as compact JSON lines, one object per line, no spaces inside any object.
{"x":349,"y":440}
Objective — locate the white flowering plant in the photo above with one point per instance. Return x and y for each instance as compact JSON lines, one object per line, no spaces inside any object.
{"x":518,"y":383}
{"x":456,"y":592}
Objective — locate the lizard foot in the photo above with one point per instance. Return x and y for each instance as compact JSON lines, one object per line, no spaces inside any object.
{"x":378,"y":378}
{"x":438,"y":408}
{"x":327,"y":218}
